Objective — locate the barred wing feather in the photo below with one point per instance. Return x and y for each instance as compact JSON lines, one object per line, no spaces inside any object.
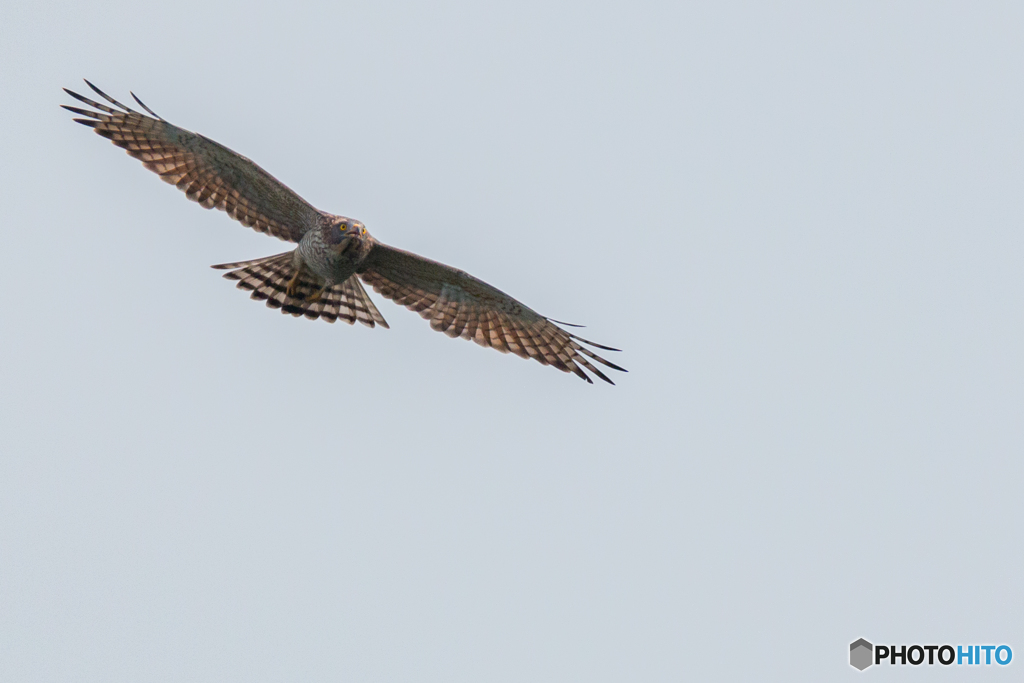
{"x":208,"y":172}
{"x":460,"y":305}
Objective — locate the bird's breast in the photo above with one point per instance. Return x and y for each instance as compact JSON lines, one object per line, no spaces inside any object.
{"x":332,"y":262}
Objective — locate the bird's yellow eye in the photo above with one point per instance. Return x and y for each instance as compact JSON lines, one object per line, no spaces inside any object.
{"x":362,"y":231}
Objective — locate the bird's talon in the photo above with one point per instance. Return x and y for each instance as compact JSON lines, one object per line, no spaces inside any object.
{"x":293,"y":285}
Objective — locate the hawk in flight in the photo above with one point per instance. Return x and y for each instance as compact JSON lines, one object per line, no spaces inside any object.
{"x":320,"y":278}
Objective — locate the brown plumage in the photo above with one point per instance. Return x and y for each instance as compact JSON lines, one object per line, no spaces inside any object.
{"x":306,"y":282}
{"x":267,"y":278}
{"x":460,"y":305}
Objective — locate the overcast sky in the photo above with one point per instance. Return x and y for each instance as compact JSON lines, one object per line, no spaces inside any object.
{"x":802,"y":223}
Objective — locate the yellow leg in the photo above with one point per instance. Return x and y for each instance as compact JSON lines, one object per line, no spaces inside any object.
{"x":293,"y":284}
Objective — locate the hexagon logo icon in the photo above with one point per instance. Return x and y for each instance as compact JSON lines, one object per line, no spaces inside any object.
{"x":860,"y":654}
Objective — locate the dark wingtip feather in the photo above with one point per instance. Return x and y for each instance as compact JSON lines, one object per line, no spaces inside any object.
{"x":594,"y":344}
{"x":143,"y":105}
{"x":107,"y":97}
{"x":584,"y":351}
{"x":77,"y":110}
{"x":560,"y":322}
{"x":590,"y":366}
{"x":587,"y":352}
{"x":600,"y":374}
{"x":86,"y":100}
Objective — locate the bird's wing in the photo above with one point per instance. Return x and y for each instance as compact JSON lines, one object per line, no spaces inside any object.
{"x":208,"y":173}
{"x":460,"y":305}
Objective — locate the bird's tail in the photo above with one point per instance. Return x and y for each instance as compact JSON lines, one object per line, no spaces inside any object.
{"x":267,"y":278}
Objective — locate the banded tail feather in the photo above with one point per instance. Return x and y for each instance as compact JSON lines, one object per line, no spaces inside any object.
{"x":267,"y":278}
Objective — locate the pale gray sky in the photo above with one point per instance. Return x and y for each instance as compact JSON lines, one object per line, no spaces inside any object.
{"x":803,"y":223}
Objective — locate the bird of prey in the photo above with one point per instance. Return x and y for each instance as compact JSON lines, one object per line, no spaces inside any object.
{"x":320,"y":278}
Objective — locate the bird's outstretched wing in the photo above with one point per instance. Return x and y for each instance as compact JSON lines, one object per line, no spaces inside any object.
{"x":208,"y":172}
{"x":460,"y":305}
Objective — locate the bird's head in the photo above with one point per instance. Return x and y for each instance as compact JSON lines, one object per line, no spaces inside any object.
{"x":345,"y":233}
